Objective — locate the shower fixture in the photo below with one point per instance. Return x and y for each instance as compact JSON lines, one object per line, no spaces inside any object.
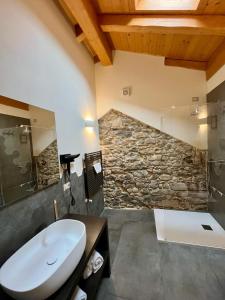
{"x":195,"y":106}
{"x":27,"y":128}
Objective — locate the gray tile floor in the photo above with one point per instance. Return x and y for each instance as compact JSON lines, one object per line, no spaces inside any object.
{"x":145,"y":269}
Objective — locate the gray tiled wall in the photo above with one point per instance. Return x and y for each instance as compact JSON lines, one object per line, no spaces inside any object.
{"x":22,"y":220}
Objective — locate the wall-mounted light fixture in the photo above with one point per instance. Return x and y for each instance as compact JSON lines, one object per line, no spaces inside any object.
{"x":89,"y":123}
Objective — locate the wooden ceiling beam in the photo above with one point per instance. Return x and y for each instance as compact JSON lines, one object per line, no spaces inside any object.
{"x":67,"y":12}
{"x":188,"y":64}
{"x":164,"y":24}
{"x":89,"y":48}
{"x":80,"y":36}
{"x":84,"y":13}
{"x":13,"y":103}
{"x":216,"y":61}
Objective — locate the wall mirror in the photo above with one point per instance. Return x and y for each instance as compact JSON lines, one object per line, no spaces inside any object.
{"x":28,"y":150}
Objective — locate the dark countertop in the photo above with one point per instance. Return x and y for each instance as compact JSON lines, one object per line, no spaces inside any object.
{"x":94,"y":229}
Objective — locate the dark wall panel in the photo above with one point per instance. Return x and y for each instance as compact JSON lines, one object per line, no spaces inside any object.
{"x":216,"y":152}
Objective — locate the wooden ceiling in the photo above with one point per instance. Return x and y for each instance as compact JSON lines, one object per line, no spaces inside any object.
{"x":130,"y":6}
{"x":186,"y":38}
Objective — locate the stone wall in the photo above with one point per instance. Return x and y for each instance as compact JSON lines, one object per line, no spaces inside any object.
{"x":48,"y":166}
{"x":145,"y":167}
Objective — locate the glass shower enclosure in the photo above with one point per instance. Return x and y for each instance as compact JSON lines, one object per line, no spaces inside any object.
{"x":17,"y":165}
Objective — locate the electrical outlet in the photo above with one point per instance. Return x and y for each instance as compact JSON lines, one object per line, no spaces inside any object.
{"x":66,"y":186}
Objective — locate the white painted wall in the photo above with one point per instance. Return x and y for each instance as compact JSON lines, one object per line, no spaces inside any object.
{"x":216,"y":79}
{"x":43,"y":128}
{"x":155,"y":88}
{"x":42,"y":122}
{"x":41,"y":64}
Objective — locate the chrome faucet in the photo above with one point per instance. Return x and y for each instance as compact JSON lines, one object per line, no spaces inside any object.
{"x":56,"y":210}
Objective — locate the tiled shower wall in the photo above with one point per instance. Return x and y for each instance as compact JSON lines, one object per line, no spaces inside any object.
{"x":145,"y":167}
{"x":216,"y":147}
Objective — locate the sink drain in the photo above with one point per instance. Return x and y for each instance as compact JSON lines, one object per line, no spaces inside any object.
{"x":51,"y":262}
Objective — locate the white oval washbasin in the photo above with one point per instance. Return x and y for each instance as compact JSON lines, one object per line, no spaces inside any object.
{"x":45,"y":262}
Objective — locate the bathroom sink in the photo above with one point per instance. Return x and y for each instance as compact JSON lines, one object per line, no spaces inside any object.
{"x":45,"y":262}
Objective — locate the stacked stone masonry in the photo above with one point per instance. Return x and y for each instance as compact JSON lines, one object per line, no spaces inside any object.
{"x":48,"y":166}
{"x":144,"y":167}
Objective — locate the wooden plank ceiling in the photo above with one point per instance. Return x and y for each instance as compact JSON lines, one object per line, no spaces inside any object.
{"x":191,"y":38}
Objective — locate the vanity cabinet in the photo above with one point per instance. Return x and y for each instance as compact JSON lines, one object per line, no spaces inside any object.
{"x":97,"y":239}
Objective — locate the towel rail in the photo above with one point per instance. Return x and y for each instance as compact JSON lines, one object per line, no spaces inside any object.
{"x":221,"y":162}
{"x":93,"y":180}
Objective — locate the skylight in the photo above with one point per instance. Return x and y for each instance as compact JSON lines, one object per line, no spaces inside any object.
{"x":167,"y":4}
